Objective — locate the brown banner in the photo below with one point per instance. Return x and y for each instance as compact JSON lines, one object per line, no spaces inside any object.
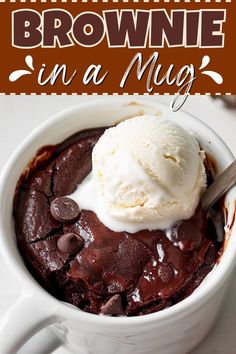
{"x":117,"y":47}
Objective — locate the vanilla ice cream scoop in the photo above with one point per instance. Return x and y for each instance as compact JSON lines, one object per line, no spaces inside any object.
{"x":147,"y":173}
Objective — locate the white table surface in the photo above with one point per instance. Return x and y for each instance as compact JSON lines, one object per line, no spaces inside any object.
{"x":20,"y":114}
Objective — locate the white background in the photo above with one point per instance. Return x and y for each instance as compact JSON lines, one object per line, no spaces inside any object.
{"x":19,"y":115}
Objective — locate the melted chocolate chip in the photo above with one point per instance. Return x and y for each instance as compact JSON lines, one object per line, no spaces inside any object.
{"x":187,"y":235}
{"x":64,"y":209}
{"x":113,"y":307}
{"x":165,"y":272}
{"x":70,"y":243}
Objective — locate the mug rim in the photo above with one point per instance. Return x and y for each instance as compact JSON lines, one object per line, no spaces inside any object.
{"x":204,"y":291}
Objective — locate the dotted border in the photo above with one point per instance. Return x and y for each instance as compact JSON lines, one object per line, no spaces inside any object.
{"x":116,"y":1}
{"x":110,"y":94}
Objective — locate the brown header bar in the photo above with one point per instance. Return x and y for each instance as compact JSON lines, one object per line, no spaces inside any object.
{"x":117,"y":47}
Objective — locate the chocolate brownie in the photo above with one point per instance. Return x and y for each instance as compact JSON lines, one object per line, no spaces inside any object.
{"x":104,"y":272}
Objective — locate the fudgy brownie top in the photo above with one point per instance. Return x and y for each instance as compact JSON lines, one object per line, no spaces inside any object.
{"x":134,"y":274}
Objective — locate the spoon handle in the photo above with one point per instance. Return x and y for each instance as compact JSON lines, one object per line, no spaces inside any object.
{"x":219,"y":187}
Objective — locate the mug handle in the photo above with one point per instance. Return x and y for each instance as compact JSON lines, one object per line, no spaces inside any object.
{"x":23,"y":320}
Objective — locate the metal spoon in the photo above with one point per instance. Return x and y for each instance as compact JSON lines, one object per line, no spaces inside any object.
{"x":219,"y":187}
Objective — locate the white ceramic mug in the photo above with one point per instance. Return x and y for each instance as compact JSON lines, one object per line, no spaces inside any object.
{"x":175,"y":330}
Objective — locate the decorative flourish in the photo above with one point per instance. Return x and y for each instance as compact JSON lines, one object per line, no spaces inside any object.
{"x":15,"y":75}
{"x":214,"y":75}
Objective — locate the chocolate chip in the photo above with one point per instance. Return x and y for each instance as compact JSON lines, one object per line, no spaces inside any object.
{"x":64,"y":209}
{"x":70,"y":243}
{"x":113,"y":307}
